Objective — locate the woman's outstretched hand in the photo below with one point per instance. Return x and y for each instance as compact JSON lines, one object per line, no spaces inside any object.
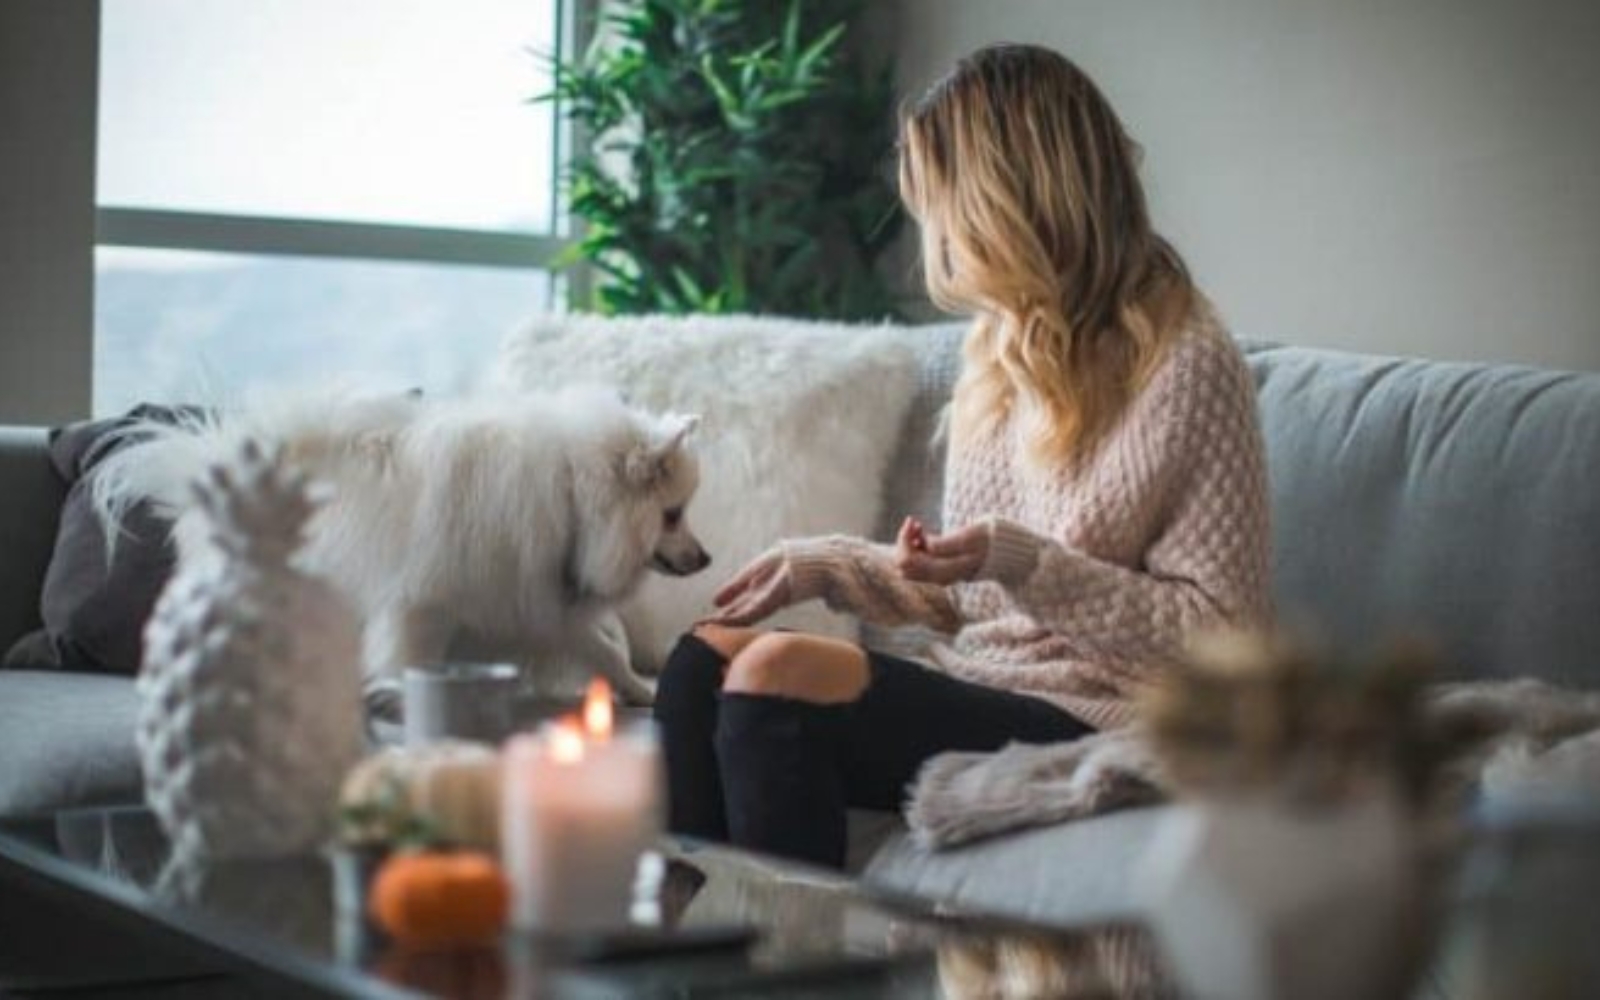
{"x":943,"y":559}
{"x":760,"y":590}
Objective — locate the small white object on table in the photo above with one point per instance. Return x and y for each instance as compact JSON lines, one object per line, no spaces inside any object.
{"x":581,"y":802}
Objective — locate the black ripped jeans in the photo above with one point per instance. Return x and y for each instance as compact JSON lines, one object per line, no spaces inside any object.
{"x":776,"y":774}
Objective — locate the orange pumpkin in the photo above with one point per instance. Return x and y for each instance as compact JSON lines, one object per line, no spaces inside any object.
{"x":440,"y":900}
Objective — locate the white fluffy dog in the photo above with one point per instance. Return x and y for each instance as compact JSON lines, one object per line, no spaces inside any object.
{"x":506,"y":525}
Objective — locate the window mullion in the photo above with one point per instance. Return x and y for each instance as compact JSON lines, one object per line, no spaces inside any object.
{"x":171,"y":230}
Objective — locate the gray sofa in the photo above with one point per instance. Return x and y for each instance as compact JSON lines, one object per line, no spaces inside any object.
{"x":1460,"y":501}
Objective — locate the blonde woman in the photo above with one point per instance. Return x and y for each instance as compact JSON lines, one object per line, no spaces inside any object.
{"x":1105,"y":491}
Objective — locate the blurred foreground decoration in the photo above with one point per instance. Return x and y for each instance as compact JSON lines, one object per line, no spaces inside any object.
{"x":1289,"y":866}
{"x":1263,"y":715}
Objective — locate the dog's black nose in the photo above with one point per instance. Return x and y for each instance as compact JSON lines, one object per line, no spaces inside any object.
{"x":705,"y":560}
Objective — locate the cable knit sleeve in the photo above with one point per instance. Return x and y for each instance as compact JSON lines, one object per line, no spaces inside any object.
{"x":858,"y":577}
{"x":1207,"y":563}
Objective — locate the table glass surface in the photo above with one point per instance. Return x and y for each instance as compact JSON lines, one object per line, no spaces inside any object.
{"x":811,"y":933}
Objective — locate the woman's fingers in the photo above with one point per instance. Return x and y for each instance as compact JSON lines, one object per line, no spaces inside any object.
{"x":930,"y":569}
{"x":905,"y":544}
{"x":744,"y":579}
{"x":758,"y":592}
{"x":750,"y":608}
{"x":944,"y":559}
{"x":902,"y":538}
{"x":731,"y":611}
{"x":732,"y":617}
{"x":760,"y":608}
{"x":912,"y":536}
{"x":971,"y":540}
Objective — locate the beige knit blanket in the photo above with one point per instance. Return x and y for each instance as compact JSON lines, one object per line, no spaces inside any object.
{"x":1498,"y":737}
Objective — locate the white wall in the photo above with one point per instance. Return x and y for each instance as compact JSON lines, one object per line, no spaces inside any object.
{"x":47,"y":134}
{"x":1406,"y":176}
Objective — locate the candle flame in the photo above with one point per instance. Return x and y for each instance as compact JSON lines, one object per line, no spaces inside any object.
{"x":597,"y":711}
{"x":566,"y":742}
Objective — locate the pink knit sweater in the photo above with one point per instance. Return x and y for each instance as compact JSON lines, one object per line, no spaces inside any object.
{"x":1095,"y":575}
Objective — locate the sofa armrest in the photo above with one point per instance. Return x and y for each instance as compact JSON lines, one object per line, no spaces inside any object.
{"x":30,"y":506}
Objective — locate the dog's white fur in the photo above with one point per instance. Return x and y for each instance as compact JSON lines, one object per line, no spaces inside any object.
{"x":509,"y":524}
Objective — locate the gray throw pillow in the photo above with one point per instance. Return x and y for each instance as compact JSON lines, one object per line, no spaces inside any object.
{"x":94,"y":613}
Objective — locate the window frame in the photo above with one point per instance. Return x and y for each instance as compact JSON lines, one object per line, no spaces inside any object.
{"x":49,"y":97}
{"x":164,"y":229}
{"x":170,"y":229}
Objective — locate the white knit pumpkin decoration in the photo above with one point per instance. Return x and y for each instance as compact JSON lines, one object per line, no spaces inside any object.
{"x":250,"y":707}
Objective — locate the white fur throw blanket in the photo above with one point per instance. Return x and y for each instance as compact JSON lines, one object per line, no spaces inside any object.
{"x":799,"y":423}
{"x":1504,"y":737}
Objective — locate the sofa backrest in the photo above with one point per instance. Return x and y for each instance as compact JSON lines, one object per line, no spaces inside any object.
{"x":915,"y":483}
{"x":1456,"y":502}
{"x":30,"y":503}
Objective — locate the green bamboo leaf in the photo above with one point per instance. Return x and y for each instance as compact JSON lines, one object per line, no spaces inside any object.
{"x":791,"y":30}
{"x":781,"y":99}
{"x":687,"y":286}
{"x":728,"y":101}
{"x":819,"y":50}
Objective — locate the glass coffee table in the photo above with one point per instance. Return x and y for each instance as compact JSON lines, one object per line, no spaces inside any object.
{"x":729,"y":924}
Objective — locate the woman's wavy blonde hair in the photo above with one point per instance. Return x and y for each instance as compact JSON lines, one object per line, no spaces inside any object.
{"x":1026,"y":189}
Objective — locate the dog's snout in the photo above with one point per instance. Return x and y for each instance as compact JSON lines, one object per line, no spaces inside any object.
{"x":683,"y":563}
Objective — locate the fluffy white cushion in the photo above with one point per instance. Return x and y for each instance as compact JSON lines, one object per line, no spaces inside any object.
{"x":799,"y":420}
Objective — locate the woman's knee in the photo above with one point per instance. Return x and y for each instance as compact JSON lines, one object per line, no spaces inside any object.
{"x":690,"y":677}
{"x":794,"y":665}
{"x":729,"y":640}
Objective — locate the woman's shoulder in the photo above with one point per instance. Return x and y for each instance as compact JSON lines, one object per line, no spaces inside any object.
{"x":1202,"y":381}
{"x":1204,"y":359}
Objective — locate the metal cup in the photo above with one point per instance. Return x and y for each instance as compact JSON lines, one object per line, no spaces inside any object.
{"x":465,"y":701}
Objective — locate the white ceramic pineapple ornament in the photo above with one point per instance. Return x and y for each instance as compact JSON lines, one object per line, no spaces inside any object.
{"x":250,"y":708}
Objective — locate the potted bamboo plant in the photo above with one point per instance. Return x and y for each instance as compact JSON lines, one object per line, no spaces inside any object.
{"x":735,"y":156}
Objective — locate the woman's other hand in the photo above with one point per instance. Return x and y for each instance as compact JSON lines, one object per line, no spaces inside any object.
{"x":942,"y":559}
{"x":760,"y":590}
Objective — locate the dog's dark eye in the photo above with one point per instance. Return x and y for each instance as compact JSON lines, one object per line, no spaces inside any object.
{"x":672,"y":517}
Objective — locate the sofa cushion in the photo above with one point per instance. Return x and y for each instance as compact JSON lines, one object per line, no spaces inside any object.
{"x":93,"y":611}
{"x":1459,"y":502}
{"x":1082,"y":871}
{"x":66,"y":740}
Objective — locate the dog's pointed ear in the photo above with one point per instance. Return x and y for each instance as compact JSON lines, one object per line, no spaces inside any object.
{"x":645,"y":464}
{"x":679,"y":427}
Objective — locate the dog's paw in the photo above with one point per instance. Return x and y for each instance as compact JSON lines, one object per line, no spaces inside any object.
{"x":635,"y":690}
{"x":384,"y":701}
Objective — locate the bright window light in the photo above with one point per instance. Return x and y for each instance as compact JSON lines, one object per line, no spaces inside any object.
{"x":185,"y":327}
{"x":409,"y":113}
{"x":403,"y":111}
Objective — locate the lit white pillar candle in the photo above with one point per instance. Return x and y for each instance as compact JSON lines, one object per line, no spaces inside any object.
{"x":580,"y":803}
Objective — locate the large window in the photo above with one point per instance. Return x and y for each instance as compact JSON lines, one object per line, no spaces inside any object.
{"x":299,"y":189}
